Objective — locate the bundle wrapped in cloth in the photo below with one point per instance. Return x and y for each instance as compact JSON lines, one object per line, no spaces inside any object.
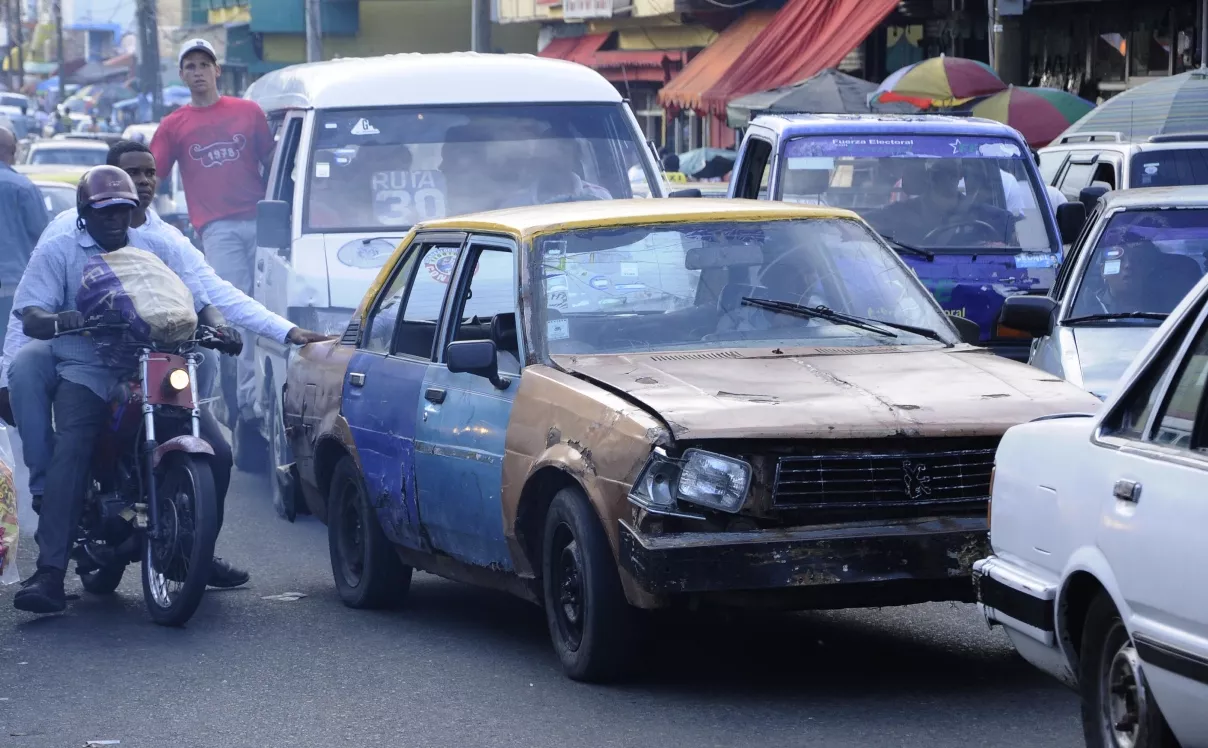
{"x":8,"y":514}
{"x":136,"y":287}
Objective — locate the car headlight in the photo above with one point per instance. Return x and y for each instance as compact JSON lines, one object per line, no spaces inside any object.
{"x":327,"y":320}
{"x":702,"y":478}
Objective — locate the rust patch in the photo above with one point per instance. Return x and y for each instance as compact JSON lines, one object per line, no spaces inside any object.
{"x":750,"y":398}
{"x":906,"y":407}
{"x":994,"y":395}
{"x":553,"y":436}
{"x":646,"y":380}
{"x":965,"y":556}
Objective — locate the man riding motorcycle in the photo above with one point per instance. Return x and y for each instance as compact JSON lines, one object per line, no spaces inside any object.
{"x":32,"y":362}
{"x":46,"y":299}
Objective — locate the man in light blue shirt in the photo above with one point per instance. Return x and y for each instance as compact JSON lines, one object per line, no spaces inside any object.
{"x":46,"y":298}
{"x":22,"y":219}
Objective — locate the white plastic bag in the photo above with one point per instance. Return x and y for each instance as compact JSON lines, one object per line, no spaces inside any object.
{"x":145,"y":291}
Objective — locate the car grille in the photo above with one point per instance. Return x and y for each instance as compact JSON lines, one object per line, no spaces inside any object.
{"x":895,"y":479}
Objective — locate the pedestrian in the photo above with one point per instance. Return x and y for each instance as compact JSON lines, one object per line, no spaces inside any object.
{"x":223,"y":147}
{"x":23,"y":217}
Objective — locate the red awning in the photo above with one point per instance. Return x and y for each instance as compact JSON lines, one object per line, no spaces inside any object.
{"x":617,"y":65}
{"x":708,"y":67}
{"x":806,"y":36}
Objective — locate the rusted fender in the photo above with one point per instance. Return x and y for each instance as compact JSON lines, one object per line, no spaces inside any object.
{"x":187,"y":443}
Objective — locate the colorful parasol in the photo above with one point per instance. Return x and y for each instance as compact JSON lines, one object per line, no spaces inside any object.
{"x":1040,"y":114}
{"x":939,"y":82}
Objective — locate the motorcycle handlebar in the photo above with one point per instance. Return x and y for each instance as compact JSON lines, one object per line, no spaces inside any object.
{"x":205,"y":336}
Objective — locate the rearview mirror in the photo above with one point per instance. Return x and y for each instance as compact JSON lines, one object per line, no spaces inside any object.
{"x":477,"y":357}
{"x":1030,"y":314}
{"x":690,"y":192}
{"x":1089,"y":196}
{"x":1071,"y":217}
{"x":969,"y":331}
{"x":272,"y":224}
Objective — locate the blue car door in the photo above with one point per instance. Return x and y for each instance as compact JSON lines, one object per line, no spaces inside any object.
{"x":384,"y":378}
{"x":463,"y":422}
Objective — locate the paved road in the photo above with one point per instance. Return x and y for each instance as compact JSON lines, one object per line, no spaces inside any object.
{"x":461,"y":667}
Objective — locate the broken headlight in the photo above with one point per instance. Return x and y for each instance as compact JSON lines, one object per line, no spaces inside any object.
{"x":705,"y":479}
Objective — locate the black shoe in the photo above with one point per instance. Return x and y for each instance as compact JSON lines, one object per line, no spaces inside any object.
{"x":42,"y":593}
{"x":225,"y":576}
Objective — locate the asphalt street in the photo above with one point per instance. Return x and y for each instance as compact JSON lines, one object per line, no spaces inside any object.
{"x":463,"y":667}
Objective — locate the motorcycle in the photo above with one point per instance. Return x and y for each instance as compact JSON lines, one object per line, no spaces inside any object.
{"x":152,"y":497}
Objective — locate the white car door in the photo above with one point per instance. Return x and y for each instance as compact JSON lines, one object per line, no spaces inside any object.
{"x":1151,"y":477}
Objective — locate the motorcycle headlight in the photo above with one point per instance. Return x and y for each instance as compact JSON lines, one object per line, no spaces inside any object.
{"x":178,"y":379}
{"x":702,"y":478}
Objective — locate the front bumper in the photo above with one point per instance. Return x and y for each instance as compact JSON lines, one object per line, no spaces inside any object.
{"x":858,"y":564}
{"x":1016,"y":598}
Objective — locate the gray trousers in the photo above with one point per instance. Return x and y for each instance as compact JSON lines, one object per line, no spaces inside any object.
{"x":230,"y":248}
{"x":32,"y":381}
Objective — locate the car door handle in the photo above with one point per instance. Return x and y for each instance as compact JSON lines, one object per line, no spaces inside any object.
{"x":435,"y":395}
{"x":1127,"y":490}
{"x":356,"y":379}
{"x":260,"y":265}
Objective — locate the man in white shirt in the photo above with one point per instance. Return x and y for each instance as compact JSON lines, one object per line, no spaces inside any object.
{"x":36,"y":366}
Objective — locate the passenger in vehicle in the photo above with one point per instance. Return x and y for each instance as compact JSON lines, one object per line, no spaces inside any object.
{"x":1140,"y":277}
{"x":555,"y":178}
{"x":940,"y":214}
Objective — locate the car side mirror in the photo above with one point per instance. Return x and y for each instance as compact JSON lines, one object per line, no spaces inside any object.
{"x":1071,"y":217}
{"x":477,"y":357}
{"x":1089,"y":196}
{"x":691,"y":192}
{"x":272,"y":225}
{"x":1030,"y":314}
{"x":969,"y":331}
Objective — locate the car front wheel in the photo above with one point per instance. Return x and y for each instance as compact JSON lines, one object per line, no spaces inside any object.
{"x":1118,"y":709}
{"x":592,"y":625}
{"x":368,"y":573}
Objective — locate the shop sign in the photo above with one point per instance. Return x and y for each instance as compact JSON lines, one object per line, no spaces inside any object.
{"x":587,"y":8}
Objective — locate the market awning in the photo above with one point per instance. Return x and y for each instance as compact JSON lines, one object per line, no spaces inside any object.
{"x":617,"y":65}
{"x":698,"y":76}
{"x":805,"y":37}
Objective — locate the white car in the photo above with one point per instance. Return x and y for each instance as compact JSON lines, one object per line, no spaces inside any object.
{"x":1099,"y":532}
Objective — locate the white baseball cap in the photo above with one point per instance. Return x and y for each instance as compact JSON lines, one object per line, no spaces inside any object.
{"x":196,"y":45}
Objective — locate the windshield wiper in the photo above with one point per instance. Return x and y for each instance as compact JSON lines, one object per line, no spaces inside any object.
{"x":826,"y":313}
{"x":909,"y":248}
{"x":1117,"y":315}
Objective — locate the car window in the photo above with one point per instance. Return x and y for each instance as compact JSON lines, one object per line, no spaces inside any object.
{"x":1077,"y":176}
{"x":385,"y":313}
{"x":487,"y":308}
{"x":416,"y":334}
{"x":375,"y":168}
{"x":1169,"y":168}
{"x":1050,"y":164}
{"x":1146,"y":260}
{"x":1105,"y":171}
{"x":1186,"y":396}
{"x":754,"y":170}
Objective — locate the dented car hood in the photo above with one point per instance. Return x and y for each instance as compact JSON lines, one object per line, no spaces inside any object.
{"x":824,"y":393}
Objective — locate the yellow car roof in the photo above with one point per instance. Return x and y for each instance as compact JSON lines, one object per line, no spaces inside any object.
{"x":544,"y":219}
{"x":53,"y":172}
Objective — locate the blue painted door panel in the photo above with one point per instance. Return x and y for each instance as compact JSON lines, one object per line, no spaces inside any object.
{"x":382,"y":415}
{"x":459,"y":466}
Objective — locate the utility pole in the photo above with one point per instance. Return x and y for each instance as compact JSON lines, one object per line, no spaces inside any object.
{"x":314,"y":30}
{"x":20,"y":40}
{"x":150,"y":79}
{"x":1008,"y":47}
{"x":58,"y":14}
{"x":480,"y":25}
{"x":1204,"y":36}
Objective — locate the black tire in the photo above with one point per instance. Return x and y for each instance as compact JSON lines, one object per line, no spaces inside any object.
{"x":249,"y":447}
{"x":593,"y":628}
{"x":367,"y":571}
{"x":288,"y":503}
{"x":185,"y":551}
{"x":1109,"y":663}
{"x":103,"y":581}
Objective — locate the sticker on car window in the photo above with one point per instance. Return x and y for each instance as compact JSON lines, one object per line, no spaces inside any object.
{"x":362,"y":127}
{"x":599,"y":283}
{"x":1111,"y":267}
{"x":1035,"y":260}
{"x":557,"y":329}
{"x":322,"y":170}
{"x":406,"y":197}
{"x":629,"y":270}
{"x":440,"y":263}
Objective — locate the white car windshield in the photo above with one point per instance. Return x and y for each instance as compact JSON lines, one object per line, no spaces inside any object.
{"x":940,"y":192}
{"x":715,"y":284}
{"x":378,"y":168}
{"x":69,"y":156}
{"x":1145,"y":261}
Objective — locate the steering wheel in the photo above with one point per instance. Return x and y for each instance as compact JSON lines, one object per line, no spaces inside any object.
{"x":975,"y":226}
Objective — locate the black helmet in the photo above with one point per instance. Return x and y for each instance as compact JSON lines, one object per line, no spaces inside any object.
{"x":102,"y":186}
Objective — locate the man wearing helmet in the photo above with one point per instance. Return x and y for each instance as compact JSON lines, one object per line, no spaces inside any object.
{"x":46,"y":301}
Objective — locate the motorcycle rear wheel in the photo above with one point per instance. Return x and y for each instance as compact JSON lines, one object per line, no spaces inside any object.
{"x":176,"y":566}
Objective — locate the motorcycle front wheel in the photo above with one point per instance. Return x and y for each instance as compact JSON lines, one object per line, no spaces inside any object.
{"x":176,"y":563}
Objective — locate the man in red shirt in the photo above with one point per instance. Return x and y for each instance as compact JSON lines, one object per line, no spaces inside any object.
{"x":220,"y":144}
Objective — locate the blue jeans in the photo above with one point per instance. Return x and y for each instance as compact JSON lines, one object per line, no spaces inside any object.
{"x":32,"y":381}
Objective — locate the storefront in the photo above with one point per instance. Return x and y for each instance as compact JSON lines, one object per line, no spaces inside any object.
{"x":1097,"y":49}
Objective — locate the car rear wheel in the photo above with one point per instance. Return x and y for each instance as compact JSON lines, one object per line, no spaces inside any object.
{"x":1118,"y":709}
{"x":592,"y":626}
{"x":367,"y":571}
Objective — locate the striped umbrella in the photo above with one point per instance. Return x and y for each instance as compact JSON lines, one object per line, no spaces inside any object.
{"x":1174,"y":105}
{"x":939,"y":82}
{"x":1040,"y":114}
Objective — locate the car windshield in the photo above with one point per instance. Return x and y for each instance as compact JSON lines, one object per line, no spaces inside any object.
{"x":69,"y":156}
{"x":941,"y":192}
{"x":379,"y":168}
{"x":1145,"y":261}
{"x":57,"y":199}
{"x":700,"y":285}
{"x":13,"y":100}
{"x":1169,"y":168}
